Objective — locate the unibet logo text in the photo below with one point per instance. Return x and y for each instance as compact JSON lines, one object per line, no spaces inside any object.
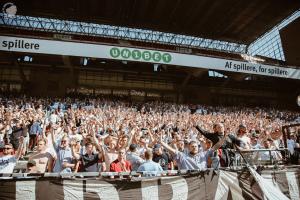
{"x":141,"y":55}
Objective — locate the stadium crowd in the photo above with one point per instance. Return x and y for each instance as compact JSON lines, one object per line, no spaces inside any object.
{"x":103,"y":135}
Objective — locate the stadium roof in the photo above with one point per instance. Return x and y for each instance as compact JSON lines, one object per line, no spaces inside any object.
{"x":228,"y":20}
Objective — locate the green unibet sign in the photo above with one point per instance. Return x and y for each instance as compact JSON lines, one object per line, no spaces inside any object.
{"x":140,"y":55}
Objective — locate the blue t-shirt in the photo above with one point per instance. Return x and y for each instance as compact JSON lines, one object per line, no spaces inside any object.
{"x":150,"y":168}
{"x":190,"y":162}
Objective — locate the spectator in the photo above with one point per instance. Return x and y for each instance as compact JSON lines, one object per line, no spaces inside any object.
{"x":119,"y":123}
{"x":267,"y":156}
{"x":243,"y":137}
{"x":121,"y":164}
{"x":110,"y":153}
{"x":18,"y":129}
{"x":89,"y":160}
{"x":43,"y":159}
{"x":254,"y":142}
{"x":149,"y":168}
{"x":195,"y":159}
{"x":31,"y":167}
{"x":216,"y":137}
{"x":64,"y":162}
{"x":35,"y":130}
{"x":8,"y":160}
{"x":161,"y":157}
{"x":213,"y":160}
{"x":180,"y":145}
{"x":133,"y":157}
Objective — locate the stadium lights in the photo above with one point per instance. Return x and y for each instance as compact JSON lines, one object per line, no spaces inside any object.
{"x":28,"y":58}
{"x":84,"y":61}
{"x":247,"y":78}
{"x":252,"y":59}
{"x":25,"y":59}
{"x":155,"y":67}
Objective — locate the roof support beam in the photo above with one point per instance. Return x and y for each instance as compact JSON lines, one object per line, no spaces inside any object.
{"x":117,"y":32}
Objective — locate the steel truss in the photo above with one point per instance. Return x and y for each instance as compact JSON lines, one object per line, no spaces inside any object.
{"x":269,"y":44}
{"x":125,"y":33}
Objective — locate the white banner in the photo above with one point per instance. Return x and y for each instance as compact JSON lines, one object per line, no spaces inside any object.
{"x":19,"y":44}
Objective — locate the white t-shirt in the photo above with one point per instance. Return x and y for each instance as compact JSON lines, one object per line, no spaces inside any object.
{"x":54,"y":118}
{"x":7,"y":164}
{"x":245,"y":139}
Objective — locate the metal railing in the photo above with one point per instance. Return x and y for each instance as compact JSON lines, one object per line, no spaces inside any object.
{"x":260,"y":157}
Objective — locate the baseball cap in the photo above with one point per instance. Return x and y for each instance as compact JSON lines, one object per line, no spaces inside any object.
{"x":156,"y":147}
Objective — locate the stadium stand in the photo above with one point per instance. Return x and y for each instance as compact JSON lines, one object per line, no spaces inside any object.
{"x":148,"y":100}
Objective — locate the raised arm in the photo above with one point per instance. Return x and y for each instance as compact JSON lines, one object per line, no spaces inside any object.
{"x":74,"y":154}
{"x":50,"y":164}
{"x":220,"y":143}
{"x":52,"y":131}
{"x":166,"y":146}
{"x":97,"y":144}
{"x":20,"y":148}
{"x":44,"y":127}
{"x":204,"y":132}
{"x":152,"y":139}
{"x":132,"y":134}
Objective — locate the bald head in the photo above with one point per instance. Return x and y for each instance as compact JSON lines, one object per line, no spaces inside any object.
{"x":218,"y":128}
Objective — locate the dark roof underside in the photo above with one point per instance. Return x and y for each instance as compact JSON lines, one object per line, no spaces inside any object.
{"x":236,"y":21}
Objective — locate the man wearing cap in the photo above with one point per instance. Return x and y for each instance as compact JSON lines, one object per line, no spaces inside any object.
{"x":160,"y":157}
{"x":133,"y":157}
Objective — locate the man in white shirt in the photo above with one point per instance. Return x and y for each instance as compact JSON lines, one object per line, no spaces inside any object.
{"x":268,"y":155}
{"x":242,"y":136}
{"x":43,"y":159}
{"x":7,"y":160}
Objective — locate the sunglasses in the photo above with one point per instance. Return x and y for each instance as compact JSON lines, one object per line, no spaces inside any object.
{"x":7,"y":148}
{"x":63,"y":141}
